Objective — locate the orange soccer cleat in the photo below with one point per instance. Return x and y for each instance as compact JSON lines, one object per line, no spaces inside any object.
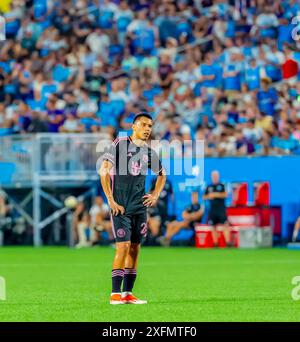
{"x":116,"y":298}
{"x":129,"y":298}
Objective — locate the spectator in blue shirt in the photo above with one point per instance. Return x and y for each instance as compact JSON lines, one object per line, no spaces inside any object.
{"x":123,"y":18}
{"x":267,"y":98}
{"x":284,"y":32}
{"x":206,"y":74}
{"x":252,"y":75}
{"x":231,"y":77}
{"x":285,"y":143}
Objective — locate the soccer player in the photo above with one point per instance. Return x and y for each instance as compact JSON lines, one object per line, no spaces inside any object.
{"x":216,"y":194}
{"x":123,"y":173}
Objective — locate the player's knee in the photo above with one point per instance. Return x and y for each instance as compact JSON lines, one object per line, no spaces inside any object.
{"x":122,"y":248}
{"x":134,"y":248}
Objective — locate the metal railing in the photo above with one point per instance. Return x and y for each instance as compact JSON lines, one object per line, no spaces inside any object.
{"x":16,"y":154}
{"x":50,"y":156}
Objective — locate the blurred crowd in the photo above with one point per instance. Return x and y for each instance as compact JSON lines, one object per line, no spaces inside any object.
{"x":223,"y":71}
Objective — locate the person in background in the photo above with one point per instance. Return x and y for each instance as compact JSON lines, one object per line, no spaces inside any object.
{"x":38,"y":123}
{"x":216,"y":194}
{"x":166,"y":197}
{"x":154,"y":225}
{"x":190,"y":215}
{"x":81,"y":224}
{"x":296,"y":229}
{"x":100,"y":219}
{"x":5,"y":219}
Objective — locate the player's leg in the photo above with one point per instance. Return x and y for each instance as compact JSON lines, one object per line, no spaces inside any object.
{"x":131,"y":268}
{"x":213,"y":221}
{"x":139,"y":232}
{"x":94,"y":236}
{"x":81,"y":231}
{"x":121,"y":226}
{"x":215,"y":236}
{"x":223,"y":225}
{"x":165,"y":239}
{"x":154,"y":225}
{"x":175,"y":228}
{"x":226,"y":231}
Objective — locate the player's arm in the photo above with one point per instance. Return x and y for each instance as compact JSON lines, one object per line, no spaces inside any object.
{"x":206,"y":195}
{"x":219,"y":194}
{"x":186,"y":215}
{"x":151,"y":199}
{"x":155,"y":165}
{"x":106,"y":186}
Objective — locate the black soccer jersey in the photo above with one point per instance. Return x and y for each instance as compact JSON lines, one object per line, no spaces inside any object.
{"x":193,"y":208}
{"x":131,"y":164}
{"x":217,"y":205}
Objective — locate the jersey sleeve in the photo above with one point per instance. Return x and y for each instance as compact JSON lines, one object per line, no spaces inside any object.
{"x":111,"y":154}
{"x":154,"y":163}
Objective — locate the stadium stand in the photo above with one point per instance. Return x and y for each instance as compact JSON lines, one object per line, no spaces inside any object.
{"x":223,"y":71}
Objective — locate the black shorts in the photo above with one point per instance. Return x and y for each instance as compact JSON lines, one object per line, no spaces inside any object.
{"x":131,"y":228}
{"x":215,"y":218}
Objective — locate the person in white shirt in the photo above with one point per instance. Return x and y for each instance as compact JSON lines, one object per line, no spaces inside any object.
{"x":99,"y":43}
{"x":87,"y":105}
{"x":100,"y":219}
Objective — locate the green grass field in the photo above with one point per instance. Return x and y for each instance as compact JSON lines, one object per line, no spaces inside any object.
{"x":180,"y":284}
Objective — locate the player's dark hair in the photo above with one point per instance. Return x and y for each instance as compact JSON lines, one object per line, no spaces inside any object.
{"x":142,"y":114}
